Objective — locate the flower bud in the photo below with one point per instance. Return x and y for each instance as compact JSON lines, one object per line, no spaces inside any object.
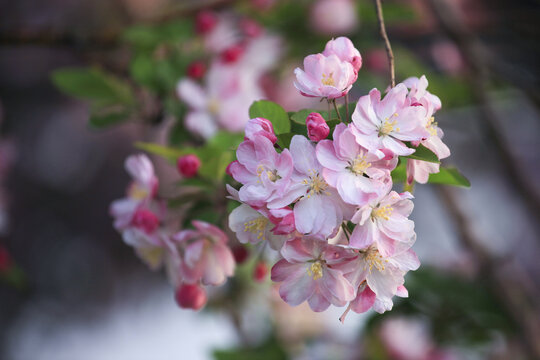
{"x":260,"y":126}
{"x":205,"y":22}
{"x":260,"y":272}
{"x":356,"y":63}
{"x":232,"y":54}
{"x":145,"y":220}
{"x":240,"y":254}
{"x":5,"y":259}
{"x":317,"y":127}
{"x":250,"y":27}
{"x":188,"y":165}
{"x":190,"y":296}
{"x":196,"y":70}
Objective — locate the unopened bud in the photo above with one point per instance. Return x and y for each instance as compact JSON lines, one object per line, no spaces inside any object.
{"x":317,"y":127}
{"x":232,"y":54}
{"x":205,"y":22}
{"x":260,"y":126}
{"x":190,"y":296}
{"x":196,"y":70}
{"x":240,"y":254}
{"x":145,"y":220}
{"x":260,"y":272}
{"x":5,"y":259}
{"x":188,"y":165}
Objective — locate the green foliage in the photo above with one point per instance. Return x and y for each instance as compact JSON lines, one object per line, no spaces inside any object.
{"x":422,"y":153}
{"x":461,"y":311}
{"x":111,"y":99}
{"x":148,"y":37}
{"x":449,"y":176}
{"x":273,"y":112}
{"x":271,"y":349}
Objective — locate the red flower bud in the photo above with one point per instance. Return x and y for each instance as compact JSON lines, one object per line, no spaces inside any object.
{"x":232,"y":54}
{"x":188,"y":165}
{"x":196,"y":70}
{"x":5,"y":259}
{"x":260,"y":272}
{"x":240,"y":254}
{"x":205,"y":22}
{"x":317,"y":127}
{"x":190,"y":296}
{"x":145,"y":220}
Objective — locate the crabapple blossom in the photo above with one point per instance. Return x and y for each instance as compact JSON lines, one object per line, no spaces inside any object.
{"x":313,"y":193}
{"x":188,"y":165}
{"x":264,"y":172}
{"x":232,"y":53}
{"x":310,"y":271}
{"x":385,"y":222}
{"x":334,"y":16}
{"x":203,"y":254}
{"x":418,"y":170}
{"x":383,"y":275}
{"x":324,"y":76}
{"x":385,"y":124}
{"x":358,"y":174}
{"x":345,"y":51}
{"x":260,"y":126}
{"x":190,"y":296}
{"x":317,"y":127}
{"x":205,"y":22}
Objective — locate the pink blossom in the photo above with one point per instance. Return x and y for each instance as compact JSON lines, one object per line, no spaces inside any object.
{"x":203,"y":254}
{"x":324,"y":76}
{"x":196,"y":70}
{"x":205,"y":22}
{"x":358,"y":175}
{"x":264,"y":172}
{"x":260,"y":126}
{"x":418,"y":95}
{"x":283,"y":219}
{"x":384,"y":222}
{"x":313,"y":192}
{"x":383,"y":275}
{"x":151,"y":247}
{"x":310,"y":271}
{"x":252,"y":226}
{"x":188,"y":165}
{"x":386,"y":123}
{"x":317,"y":127}
{"x":345,"y":51}
{"x":232,"y":53}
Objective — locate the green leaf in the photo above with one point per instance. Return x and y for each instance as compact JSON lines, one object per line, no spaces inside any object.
{"x":284,"y":140}
{"x":273,"y":112}
{"x":300,"y":116}
{"x":399,"y":174}
{"x":93,"y":84}
{"x":102,"y":120}
{"x":169,"y":153}
{"x":423,"y":153}
{"x":449,"y":176}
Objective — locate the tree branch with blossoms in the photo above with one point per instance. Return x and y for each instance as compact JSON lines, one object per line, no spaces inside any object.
{"x":387,"y":45}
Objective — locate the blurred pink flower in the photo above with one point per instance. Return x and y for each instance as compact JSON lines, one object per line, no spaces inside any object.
{"x":334,"y":17}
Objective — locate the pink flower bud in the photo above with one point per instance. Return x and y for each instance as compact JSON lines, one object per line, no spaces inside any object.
{"x":240,"y":254}
{"x":205,"y":22}
{"x":145,"y":220}
{"x":260,"y":272}
{"x":317,"y":127}
{"x":5,"y":259}
{"x":196,"y":70}
{"x":188,"y":165}
{"x":260,"y":126}
{"x":356,"y":63}
{"x":190,"y":296}
{"x":232,"y":54}
{"x":250,"y":27}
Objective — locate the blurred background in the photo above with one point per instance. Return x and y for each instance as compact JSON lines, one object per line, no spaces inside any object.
{"x":71,"y":289}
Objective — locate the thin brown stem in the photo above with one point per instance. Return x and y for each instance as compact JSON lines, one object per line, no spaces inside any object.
{"x":389,"y":53}
{"x":337,"y":111}
{"x":347,"y":106}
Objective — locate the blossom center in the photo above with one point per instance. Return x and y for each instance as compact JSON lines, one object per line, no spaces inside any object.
{"x":316,"y":184}
{"x":213,"y":106}
{"x":431,"y":126}
{"x":138,"y":192}
{"x":388,"y":126}
{"x":382,"y":212}
{"x":359,"y":165}
{"x":271,"y":174}
{"x":257,"y":226}
{"x":315,"y":270}
{"x":374,"y":260}
{"x":328,"y":80}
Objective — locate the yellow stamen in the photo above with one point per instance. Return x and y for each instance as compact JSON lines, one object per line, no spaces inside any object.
{"x":138,"y":192}
{"x":315,"y":270}
{"x":272,"y":174}
{"x":382,"y":212}
{"x":374,"y":260}
{"x":213,"y":106}
{"x":359,"y":165}
{"x":328,"y":80}
{"x":432,"y":126}
{"x":317,"y":185}
{"x":388,"y":126}
{"x":257,"y":226}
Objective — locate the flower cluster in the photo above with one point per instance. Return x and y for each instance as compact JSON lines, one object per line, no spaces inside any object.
{"x":192,"y":257}
{"x":327,"y":205}
{"x":240,"y":52}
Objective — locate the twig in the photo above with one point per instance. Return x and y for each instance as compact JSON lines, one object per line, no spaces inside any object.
{"x":389,"y":53}
{"x":347,"y":106}
{"x":337,"y":112}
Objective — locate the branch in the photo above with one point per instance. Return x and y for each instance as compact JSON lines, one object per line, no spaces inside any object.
{"x":473,"y":53}
{"x":389,"y":53}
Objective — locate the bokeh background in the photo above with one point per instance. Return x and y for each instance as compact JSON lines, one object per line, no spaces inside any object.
{"x":71,"y":289}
